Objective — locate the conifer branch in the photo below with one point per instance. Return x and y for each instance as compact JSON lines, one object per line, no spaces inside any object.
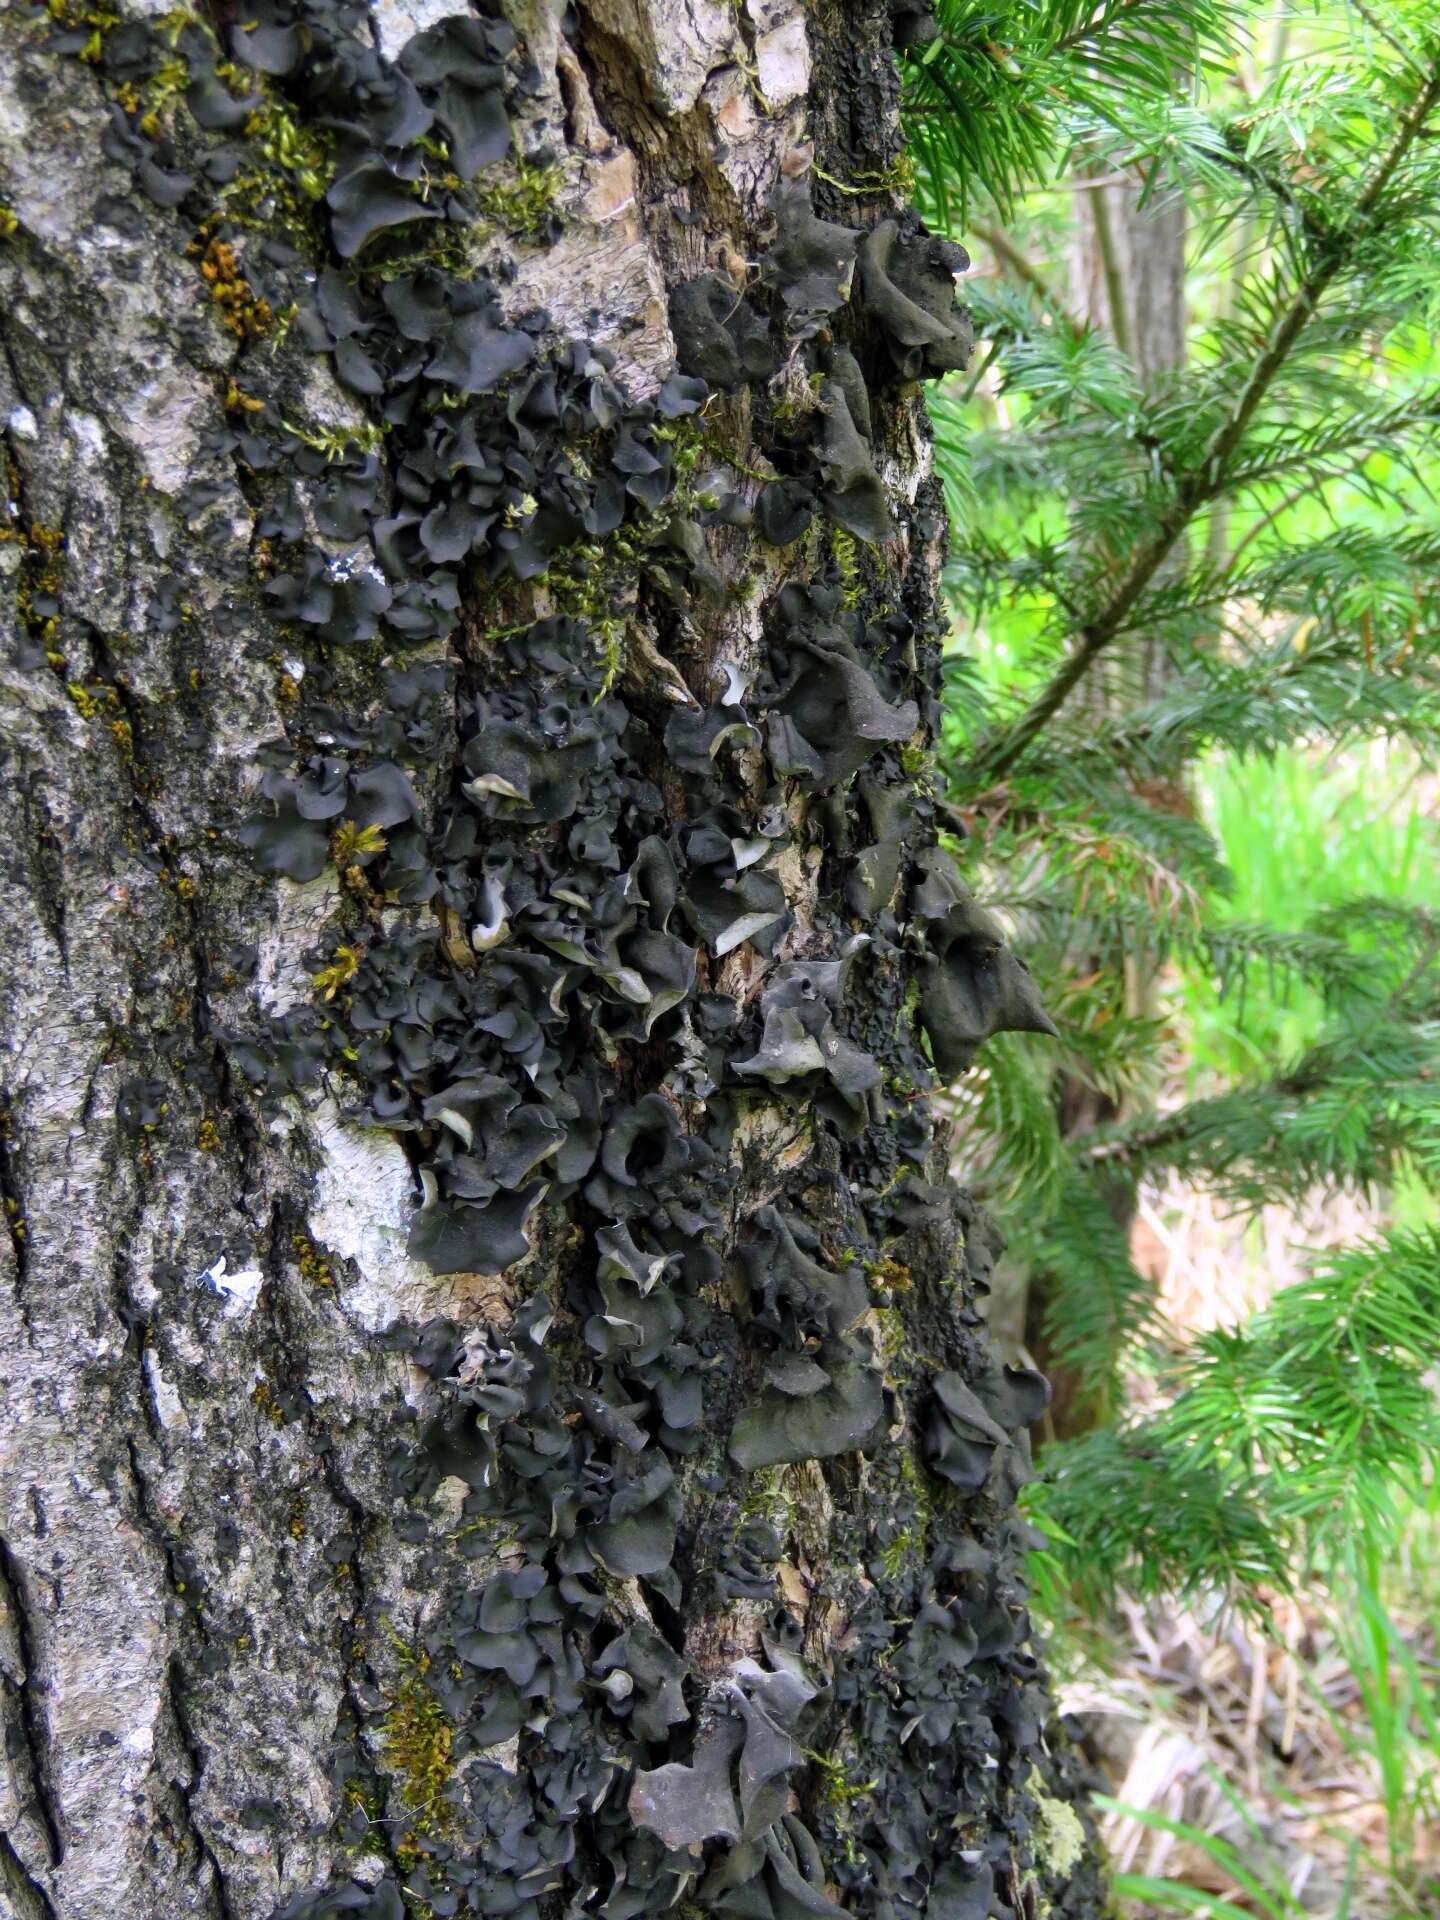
{"x":991,"y":761}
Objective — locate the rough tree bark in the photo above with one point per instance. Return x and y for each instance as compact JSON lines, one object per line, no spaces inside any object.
{"x":496,"y":1419}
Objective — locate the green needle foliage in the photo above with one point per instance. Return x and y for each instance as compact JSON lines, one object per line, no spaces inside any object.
{"x":1262,"y":523}
{"x":981,"y":97}
{"x":1277,"y":1441}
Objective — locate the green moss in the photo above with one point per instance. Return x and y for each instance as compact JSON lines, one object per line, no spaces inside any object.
{"x":284,"y":145}
{"x":341,"y":971}
{"x":99,"y":19}
{"x":338,"y":442}
{"x":611,"y":636}
{"x":352,"y":849}
{"x":845,"y":550}
{"x":766,"y":1495}
{"x":93,"y":700}
{"x":910,"y":1539}
{"x":838,"y":1792}
{"x":417,"y":1750}
{"x":836,"y":1786}
{"x":37,"y":582}
{"x":794,"y":394}
{"x":520,"y":205}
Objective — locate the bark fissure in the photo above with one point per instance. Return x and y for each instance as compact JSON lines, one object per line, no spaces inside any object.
{"x":30,"y":1706}
{"x":186,"y":1791}
{"x":13,"y":1203}
{"x":31,"y":1902}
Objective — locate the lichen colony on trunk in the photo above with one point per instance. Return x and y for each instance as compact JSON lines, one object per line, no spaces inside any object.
{"x":501,"y":1421}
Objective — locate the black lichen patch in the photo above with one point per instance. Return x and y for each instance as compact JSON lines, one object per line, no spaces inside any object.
{"x":852,"y":489}
{"x":907,"y":282}
{"x":971,"y":985}
{"x":719,"y":336}
{"x":811,"y":263}
{"x":828,"y":715}
{"x":813,"y":1405}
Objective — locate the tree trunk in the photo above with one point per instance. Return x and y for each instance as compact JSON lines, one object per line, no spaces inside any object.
{"x":497,"y":1420}
{"x":1128,"y":279}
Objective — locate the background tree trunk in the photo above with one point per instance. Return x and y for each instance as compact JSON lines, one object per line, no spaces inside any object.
{"x":1127,"y":280}
{"x":632,"y":1524}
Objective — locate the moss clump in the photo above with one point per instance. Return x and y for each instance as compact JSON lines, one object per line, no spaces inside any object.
{"x":794,"y":394}
{"x":889,"y":1273}
{"x":264,"y":1397}
{"x":147,"y":106}
{"x":99,"y":19}
{"x":352,"y":849}
{"x":337,"y":443}
{"x":836,"y":1786}
{"x":37,"y":585}
{"x":838,"y":1792}
{"x":103,"y":702}
{"x":342,"y":969}
{"x":93,"y":700}
{"x":302,"y":153}
{"x":846,"y":552}
{"x":417,"y":1742}
{"x":912,"y":1537}
{"x":350,"y":844}
{"x":238,"y":402}
{"x":767,"y":1496}
{"x":521,"y":206}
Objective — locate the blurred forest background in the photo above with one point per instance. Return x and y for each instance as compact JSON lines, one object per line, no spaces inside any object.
{"x":1191,"y":757}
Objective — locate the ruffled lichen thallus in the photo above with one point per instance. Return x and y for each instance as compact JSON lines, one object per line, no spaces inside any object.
{"x":650,"y":954}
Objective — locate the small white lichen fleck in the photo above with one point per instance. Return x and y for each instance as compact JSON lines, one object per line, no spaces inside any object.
{"x":396,"y":21}
{"x":87,"y":433}
{"x":239,"y":1291}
